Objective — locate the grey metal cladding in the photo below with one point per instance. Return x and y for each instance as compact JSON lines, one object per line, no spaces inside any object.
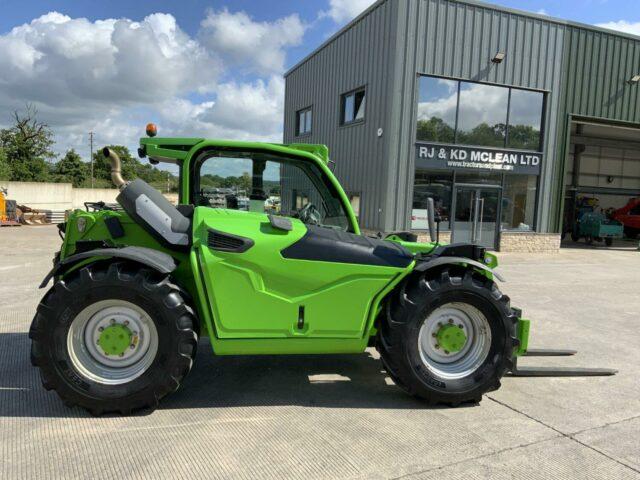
{"x":360,"y":55}
{"x":458,"y":39}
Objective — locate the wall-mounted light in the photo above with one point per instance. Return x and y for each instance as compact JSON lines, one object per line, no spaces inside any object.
{"x":635,"y":79}
{"x":498,"y":57}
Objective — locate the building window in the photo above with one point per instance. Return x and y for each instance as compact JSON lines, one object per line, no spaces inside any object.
{"x":354,"y":200}
{"x":468,"y":113}
{"x":525,"y":120}
{"x":436,"y":118}
{"x":482,"y":115}
{"x":438,"y":186}
{"x":352,"y":107}
{"x":519,"y":202}
{"x":303,"y":121}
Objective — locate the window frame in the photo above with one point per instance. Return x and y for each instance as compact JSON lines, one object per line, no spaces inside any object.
{"x":343,"y":98}
{"x":205,"y":154}
{"x":305,"y":111}
{"x":510,"y":88}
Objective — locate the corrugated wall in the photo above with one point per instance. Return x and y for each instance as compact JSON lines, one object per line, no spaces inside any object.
{"x":358,"y":56}
{"x":598,"y":68}
{"x":458,"y":40}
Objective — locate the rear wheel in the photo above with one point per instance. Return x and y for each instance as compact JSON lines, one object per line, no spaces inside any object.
{"x":113,"y":338}
{"x":608,"y":242}
{"x":448,"y":336}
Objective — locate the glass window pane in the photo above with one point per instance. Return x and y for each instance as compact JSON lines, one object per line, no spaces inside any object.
{"x":437,"y":186}
{"x":307,"y":124}
{"x":519,"y":202}
{"x":482,"y":116}
{"x":437,"y":110}
{"x":268,"y":184}
{"x":525,"y":117}
{"x":360,"y":103}
{"x":348,"y":108}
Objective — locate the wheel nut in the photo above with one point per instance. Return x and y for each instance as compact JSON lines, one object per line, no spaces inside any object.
{"x":434,"y":335}
{"x":437,"y":346}
{"x":446,"y":352}
{"x":451,"y":320}
{"x":122,"y":354}
{"x":126,"y":322}
{"x":461,"y":326}
{"x":100,"y":329}
{"x":132,"y":346}
{"x":113,"y":320}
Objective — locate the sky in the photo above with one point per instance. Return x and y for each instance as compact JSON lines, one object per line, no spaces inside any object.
{"x":208,"y":68}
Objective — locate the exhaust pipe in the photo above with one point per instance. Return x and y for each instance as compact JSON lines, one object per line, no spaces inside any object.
{"x":116,"y":170}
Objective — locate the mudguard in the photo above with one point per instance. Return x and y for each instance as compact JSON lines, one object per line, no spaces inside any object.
{"x":429,"y":264}
{"x":155,"y":259}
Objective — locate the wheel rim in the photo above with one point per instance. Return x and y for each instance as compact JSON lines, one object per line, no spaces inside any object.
{"x":112,"y":342}
{"x":454,"y":340}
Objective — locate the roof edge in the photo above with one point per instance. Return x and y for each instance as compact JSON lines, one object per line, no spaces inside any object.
{"x":333,"y":37}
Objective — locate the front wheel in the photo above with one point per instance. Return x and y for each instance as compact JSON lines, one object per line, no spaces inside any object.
{"x":448,"y":336}
{"x":113,"y":338}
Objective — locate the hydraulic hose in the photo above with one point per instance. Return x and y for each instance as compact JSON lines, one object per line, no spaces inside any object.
{"x":116,"y":169}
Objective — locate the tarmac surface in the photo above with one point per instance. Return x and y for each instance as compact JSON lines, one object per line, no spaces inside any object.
{"x":317,"y":417}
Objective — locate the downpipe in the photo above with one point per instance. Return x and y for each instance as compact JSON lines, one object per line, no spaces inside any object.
{"x":116,"y":168}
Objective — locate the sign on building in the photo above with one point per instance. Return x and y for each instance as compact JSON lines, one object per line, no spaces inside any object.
{"x":438,"y":156}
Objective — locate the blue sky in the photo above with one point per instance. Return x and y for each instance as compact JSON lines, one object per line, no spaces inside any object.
{"x":196,"y":67}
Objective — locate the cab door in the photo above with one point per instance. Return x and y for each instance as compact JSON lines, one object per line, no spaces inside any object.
{"x":265,"y":274}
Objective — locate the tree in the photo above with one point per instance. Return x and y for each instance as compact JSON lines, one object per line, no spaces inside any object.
{"x":27,"y":145}
{"x":132,"y":168}
{"x":484,"y":135}
{"x":71,"y":169}
{"x":436,"y":130}
{"x":5,"y":170}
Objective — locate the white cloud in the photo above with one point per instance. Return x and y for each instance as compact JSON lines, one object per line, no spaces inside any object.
{"x":622,"y":26}
{"x":75,"y":67}
{"x":256,"y":46}
{"x":542,"y":11}
{"x":342,"y":11}
{"x":256,"y":107}
{"x":478,"y":104}
{"x":113,"y":76}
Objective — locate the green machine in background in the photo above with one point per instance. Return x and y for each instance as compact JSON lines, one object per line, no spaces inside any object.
{"x":262,"y":255}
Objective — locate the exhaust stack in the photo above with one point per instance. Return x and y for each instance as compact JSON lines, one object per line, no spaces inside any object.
{"x":116,"y":169}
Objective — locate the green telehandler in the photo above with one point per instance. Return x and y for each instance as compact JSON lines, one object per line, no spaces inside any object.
{"x":262,"y":255}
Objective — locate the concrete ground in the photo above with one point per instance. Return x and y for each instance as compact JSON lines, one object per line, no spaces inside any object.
{"x":339,"y":417}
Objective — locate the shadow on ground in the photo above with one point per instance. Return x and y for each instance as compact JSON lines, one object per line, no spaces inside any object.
{"x":328,"y":381}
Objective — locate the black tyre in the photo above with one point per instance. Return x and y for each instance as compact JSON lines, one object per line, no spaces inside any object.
{"x":631,"y":233}
{"x":608,"y":242}
{"x":575,"y":236}
{"x":113,"y":338}
{"x":418,"y":317}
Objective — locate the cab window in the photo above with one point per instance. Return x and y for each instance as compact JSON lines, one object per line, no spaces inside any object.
{"x":263,"y":183}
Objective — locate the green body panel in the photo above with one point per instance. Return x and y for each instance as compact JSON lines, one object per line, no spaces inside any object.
{"x":258,"y":293}
{"x":257,"y":301}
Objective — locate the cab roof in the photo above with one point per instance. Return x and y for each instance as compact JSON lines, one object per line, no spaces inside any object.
{"x":174,"y":149}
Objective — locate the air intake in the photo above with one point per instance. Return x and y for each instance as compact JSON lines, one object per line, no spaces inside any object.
{"x":225,"y":242}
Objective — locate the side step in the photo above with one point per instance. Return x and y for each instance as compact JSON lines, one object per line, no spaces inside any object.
{"x":556,"y":371}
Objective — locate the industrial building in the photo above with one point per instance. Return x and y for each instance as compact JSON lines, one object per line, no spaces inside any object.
{"x":511,"y":121}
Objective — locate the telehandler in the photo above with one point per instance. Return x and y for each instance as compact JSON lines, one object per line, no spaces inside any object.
{"x":262,"y":255}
